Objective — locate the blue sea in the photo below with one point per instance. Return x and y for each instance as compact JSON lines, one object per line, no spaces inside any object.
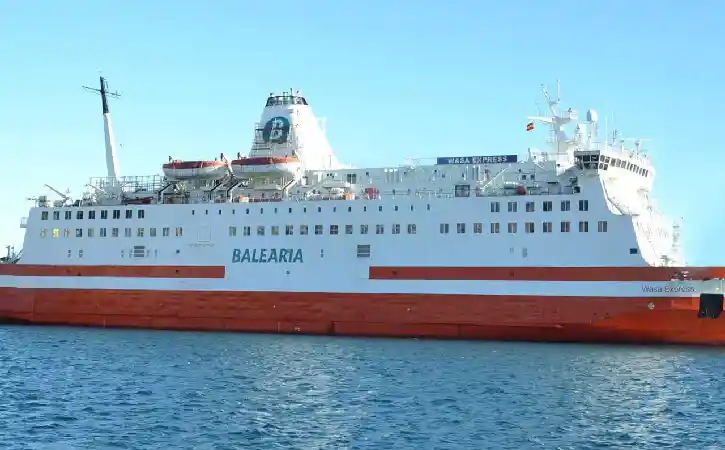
{"x":66,"y":388}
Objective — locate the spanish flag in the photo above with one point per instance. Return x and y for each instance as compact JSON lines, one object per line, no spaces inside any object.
{"x":530,"y":126}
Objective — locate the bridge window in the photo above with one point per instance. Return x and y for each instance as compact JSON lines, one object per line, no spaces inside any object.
{"x":91,"y":215}
{"x":152,"y":232}
{"x":318,"y":229}
{"x":565,"y":227}
{"x":79,"y":215}
{"x":396,"y":228}
{"x":513,"y":206}
{"x":139,"y":232}
{"x":530,"y":207}
{"x":114,"y":232}
{"x":565,"y":205}
{"x":379,"y":229}
{"x":602,"y":226}
{"x":583,"y":205}
{"x":68,"y":215}
{"x":495,"y":228}
{"x":462,"y":190}
{"x":89,"y":232}
{"x":548,"y":206}
{"x":260,"y":230}
{"x":303,"y":229}
{"x":104,"y":214}
{"x":411,"y":228}
{"x":167,"y":231}
{"x":127,"y":232}
{"x":334,"y":229}
{"x":512,"y":227}
{"x":56,"y":215}
{"x":529,"y":227}
{"x":460,"y":228}
{"x":79,"y":232}
{"x":477,"y":228}
{"x":495,"y":207}
{"x":289,"y":230}
{"x":129,"y":214}
{"x":363,"y":229}
{"x":116,"y":213}
{"x":44,"y":215}
{"x":102,"y":232}
{"x":583,"y":226}
{"x":180,"y":231}
{"x":348,"y":229}
{"x":43,"y":232}
{"x":141,"y":213}
{"x":547,"y":227}
{"x":56,"y":232}
{"x":275,"y":230}
{"x":444,"y":228}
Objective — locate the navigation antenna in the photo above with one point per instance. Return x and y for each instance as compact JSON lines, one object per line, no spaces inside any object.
{"x":555,"y":126}
{"x":104,"y":94}
{"x":111,"y":158}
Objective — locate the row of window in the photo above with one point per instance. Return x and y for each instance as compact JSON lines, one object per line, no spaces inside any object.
{"x":461,"y":228}
{"x":133,"y":253}
{"x":547,"y":206}
{"x":115,"y":232}
{"x":276,"y":230}
{"x":115,"y":213}
{"x":513,"y":206}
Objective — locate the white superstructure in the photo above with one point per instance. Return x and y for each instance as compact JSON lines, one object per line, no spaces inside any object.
{"x":583,"y":202}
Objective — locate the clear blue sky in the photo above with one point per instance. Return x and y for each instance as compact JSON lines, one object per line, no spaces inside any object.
{"x":395,"y":79}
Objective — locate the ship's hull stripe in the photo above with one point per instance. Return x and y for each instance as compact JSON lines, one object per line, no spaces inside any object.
{"x":130,"y":271}
{"x":544,"y":273}
{"x":539,"y":318}
{"x":642,"y":274}
{"x":295,"y":285}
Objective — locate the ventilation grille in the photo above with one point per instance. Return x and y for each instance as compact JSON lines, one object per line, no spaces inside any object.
{"x":139,"y":251}
{"x":363,"y":251}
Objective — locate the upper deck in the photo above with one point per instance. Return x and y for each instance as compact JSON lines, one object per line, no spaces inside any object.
{"x":291,"y":161}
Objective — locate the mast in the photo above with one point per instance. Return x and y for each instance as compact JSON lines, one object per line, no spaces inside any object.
{"x":111,"y":155}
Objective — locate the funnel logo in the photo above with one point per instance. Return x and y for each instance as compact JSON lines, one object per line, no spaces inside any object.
{"x":276,"y":131}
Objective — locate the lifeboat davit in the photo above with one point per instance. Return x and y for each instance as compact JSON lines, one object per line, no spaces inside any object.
{"x":195,"y":170}
{"x":265,"y":165}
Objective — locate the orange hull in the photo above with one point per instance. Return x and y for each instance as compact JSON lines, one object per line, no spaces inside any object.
{"x":573,"y":319}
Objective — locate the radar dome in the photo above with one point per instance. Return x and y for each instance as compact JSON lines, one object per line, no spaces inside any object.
{"x":592,"y":116}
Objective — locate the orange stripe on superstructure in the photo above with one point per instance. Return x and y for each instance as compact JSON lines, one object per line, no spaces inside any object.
{"x":545,"y":273}
{"x":37,"y":270}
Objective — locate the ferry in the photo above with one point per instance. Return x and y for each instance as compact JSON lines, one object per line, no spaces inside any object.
{"x":561,"y":244}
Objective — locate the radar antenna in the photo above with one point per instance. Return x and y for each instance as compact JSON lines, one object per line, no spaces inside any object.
{"x":638,"y":143}
{"x":104,"y":93}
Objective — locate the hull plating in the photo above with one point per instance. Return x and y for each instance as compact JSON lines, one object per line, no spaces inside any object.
{"x":534,"y":318}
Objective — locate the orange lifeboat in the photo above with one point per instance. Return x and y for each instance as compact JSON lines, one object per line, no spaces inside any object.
{"x":195,"y":170}
{"x":265,"y":166}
